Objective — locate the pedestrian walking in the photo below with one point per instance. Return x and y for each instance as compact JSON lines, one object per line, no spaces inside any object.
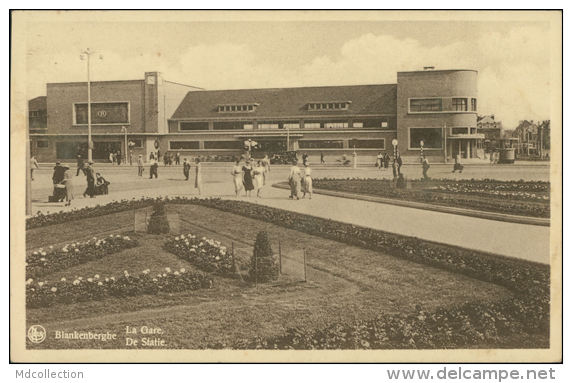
{"x":153,"y":166}
{"x":307,"y":185}
{"x":186,"y":169}
{"x":247,"y":179}
{"x":90,"y":176}
{"x":177,"y":159}
{"x":140,"y":167}
{"x":33,"y":166}
{"x":68,"y":184}
{"x":322,"y":158}
{"x":258,"y":171}
{"x":294,"y":180}
{"x":266,"y":166}
{"x":198,"y":176}
{"x":80,"y":165}
{"x":379,"y":161}
{"x":237,"y":177}
{"x":386,"y":160}
{"x":426,"y":166}
{"x":166,"y":159}
{"x":111,"y":157}
{"x":131,"y":157}
{"x":118,"y":156}
{"x":399,"y":163}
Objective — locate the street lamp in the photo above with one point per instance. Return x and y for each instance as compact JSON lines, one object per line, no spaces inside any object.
{"x":394,"y":142}
{"x":88,"y":54}
{"x":123,"y":128}
{"x":421,"y":152}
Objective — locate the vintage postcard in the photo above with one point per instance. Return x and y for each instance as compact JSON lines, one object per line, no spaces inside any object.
{"x":367,"y":186}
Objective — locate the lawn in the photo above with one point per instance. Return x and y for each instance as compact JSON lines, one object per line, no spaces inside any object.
{"x":509,"y":197}
{"x":345,"y":283}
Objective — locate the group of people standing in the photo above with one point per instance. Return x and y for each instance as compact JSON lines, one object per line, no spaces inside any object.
{"x":382,"y":161}
{"x":300,"y":181}
{"x":250,"y":176}
{"x":62,"y":179}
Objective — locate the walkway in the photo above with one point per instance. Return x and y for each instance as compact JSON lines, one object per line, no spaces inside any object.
{"x":510,"y":239}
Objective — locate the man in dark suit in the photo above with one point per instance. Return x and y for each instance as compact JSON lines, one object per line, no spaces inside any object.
{"x":80,"y":165}
{"x":90,"y":176}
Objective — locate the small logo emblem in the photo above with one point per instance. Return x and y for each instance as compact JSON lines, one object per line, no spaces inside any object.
{"x":101,"y":113}
{"x":37,"y":334}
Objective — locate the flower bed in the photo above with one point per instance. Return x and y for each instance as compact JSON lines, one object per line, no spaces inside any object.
{"x":515,"y":198}
{"x":528,"y":311}
{"x":43,"y":262}
{"x":42,"y":294}
{"x":205,"y":254}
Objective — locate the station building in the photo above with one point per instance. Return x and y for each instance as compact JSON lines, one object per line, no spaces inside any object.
{"x":430,"y":110}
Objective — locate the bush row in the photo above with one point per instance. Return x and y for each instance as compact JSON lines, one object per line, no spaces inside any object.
{"x":42,"y":262}
{"x":381,"y":188}
{"x":42,"y":294}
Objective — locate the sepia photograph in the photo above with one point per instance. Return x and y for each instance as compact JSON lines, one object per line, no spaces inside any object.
{"x":286,"y":186}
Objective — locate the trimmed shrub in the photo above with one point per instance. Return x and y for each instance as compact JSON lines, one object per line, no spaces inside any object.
{"x":158,"y":224}
{"x":265,"y":269}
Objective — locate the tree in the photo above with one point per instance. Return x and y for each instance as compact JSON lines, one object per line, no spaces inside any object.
{"x":158,"y":224}
{"x":263,"y":265}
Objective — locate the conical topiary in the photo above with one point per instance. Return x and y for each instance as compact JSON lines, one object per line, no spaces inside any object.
{"x":265,"y":268}
{"x":158,"y":223}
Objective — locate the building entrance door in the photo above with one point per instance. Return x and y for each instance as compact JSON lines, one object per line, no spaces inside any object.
{"x":102,"y":149}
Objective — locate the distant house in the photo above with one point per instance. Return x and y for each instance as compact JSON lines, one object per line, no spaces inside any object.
{"x":492,"y":130}
{"x":527,"y":134}
{"x":38,"y":115}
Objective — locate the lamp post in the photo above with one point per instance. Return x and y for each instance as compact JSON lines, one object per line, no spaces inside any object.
{"x":88,"y":54}
{"x":123,"y":128}
{"x":421,"y":151}
{"x":394,"y":142}
{"x":355,"y":158}
{"x":249,"y":148}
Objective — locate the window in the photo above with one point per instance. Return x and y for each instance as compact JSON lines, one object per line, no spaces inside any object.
{"x":473,"y":130}
{"x":321,"y":144}
{"x":135,"y":144}
{"x":42,"y":144}
{"x":329,"y":105}
{"x":432,"y":138}
{"x":473,"y":104}
{"x":236,"y":108}
{"x":379,"y":123}
{"x":34,"y":113}
{"x":358,"y":124}
{"x":183,"y":145}
{"x":291,"y":126}
{"x":193,"y":126}
{"x":459,"y":130}
{"x":268,"y":125}
{"x":426,"y":105}
{"x":460,"y":104}
{"x":312,"y":125}
{"x":231,"y":125}
{"x":367,"y":144}
{"x":335,"y":125}
{"x":102,"y":113}
{"x":224,"y":145}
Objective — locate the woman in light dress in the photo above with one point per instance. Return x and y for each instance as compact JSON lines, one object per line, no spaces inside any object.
{"x":198,"y":176}
{"x":294,"y":180}
{"x":237,"y":177}
{"x":68,"y":183}
{"x":307,"y":185}
{"x":258,"y":171}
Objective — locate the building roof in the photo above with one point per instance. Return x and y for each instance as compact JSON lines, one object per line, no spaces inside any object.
{"x":289,"y":102}
{"x":487,"y":120}
{"x":38,"y":103}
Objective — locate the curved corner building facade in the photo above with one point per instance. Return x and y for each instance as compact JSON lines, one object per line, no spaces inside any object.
{"x":436,"y":107}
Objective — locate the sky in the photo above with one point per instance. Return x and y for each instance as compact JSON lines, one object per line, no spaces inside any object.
{"x":512,"y":57}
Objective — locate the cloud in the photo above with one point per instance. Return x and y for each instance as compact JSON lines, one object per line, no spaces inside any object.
{"x":513,"y":67}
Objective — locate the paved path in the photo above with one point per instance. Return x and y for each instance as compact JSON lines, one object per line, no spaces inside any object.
{"x":511,"y":239}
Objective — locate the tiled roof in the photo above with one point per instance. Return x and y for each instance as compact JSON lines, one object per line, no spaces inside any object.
{"x":38,"y":103}
{"x":290,"y":102}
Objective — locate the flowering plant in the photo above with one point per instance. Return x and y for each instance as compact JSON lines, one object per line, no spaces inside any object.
{"x":42,"y":294}
{"x":44,"y":261}
{"x":205,"y":254}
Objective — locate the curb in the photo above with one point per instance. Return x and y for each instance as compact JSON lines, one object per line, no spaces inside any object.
{"x":439,"y":208}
